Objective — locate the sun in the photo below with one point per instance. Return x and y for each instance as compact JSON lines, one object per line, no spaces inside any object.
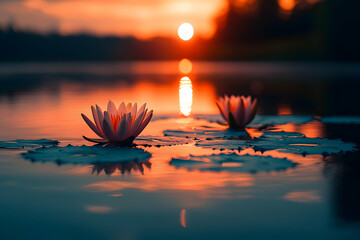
{"x":186,"y":31}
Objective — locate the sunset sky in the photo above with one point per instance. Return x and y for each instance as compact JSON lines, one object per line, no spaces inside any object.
{"x":139,"y":18}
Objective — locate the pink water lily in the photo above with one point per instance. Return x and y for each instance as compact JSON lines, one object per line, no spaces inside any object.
{"x":118,"y":125}
{"x":238,"y":111}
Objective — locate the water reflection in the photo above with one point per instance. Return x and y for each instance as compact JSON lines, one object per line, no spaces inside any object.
{"x":303,"y":196}
{"x":185,"y":96}
{"x":284,"y":109}
{"x":98,"y":209}
{"x":185,"y":66}
{"x":54,"y":111}
{"x":123,"y":168}
{"x":183,"y":218}
{"x":313,"y":129}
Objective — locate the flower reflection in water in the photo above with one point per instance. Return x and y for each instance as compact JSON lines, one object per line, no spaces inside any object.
{"x":185,"y":96}
{"x":124,"y":167}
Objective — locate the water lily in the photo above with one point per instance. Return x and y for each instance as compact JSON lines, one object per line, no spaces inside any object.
{"x":238,"y":111}
{"x":118,"y":125}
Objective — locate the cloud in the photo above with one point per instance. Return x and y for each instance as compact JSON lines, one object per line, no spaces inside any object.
{"x":16,"y":13}
{"x":140,"y":18}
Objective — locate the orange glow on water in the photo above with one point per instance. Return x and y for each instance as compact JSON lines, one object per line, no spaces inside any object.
{"x":183,"y":218}
{"x":303,"y":196}
{"x":58,"y":114}
{"x":284,"y":109}
{"x":185,"y":96}
{"x":311,"y":129}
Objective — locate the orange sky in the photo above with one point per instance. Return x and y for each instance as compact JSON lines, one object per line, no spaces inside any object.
{"x":140,"y":18}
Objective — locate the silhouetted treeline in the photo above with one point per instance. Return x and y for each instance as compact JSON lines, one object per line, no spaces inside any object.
{"x":262,"y":31}
{"x":326,"y":30}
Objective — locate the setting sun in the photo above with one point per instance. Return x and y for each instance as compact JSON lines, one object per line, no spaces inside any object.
{"x":185,"y":31}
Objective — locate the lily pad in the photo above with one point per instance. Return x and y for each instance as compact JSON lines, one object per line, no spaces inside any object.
{"x":233,"y":163}
{"x":238,"y":144}
{"x":27,"y":143}
{"x":303,"y":145}
{"x":150,"y":141}
{"x":206,"y":133}
{"x":261,"y":120}
{"x":282,"y":134}
{"x":288,"y":142}
{"x":86,"y":154}
{"x":222,"y":144}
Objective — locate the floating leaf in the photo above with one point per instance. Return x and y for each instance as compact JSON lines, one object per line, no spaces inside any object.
{"x":206,"y":133}
{"x":303,"y":145}
{"x":288,"y":142}
{"x":27,"y":143}
{"x":260,"y":120}
{"x":233,"y":163}
{"x":222,"y":144}
{"x":86,"y":154}
{"x":282,"y":134}
{"x":149,"y":141}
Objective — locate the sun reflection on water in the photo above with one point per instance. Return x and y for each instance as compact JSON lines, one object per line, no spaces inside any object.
{"x":185,"y":66}
{"x":185,"y":96}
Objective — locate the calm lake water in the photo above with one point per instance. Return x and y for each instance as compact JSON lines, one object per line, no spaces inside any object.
{"x":318,"y":199}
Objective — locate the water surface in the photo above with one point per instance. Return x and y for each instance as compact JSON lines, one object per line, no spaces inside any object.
{"x":317,"y":199}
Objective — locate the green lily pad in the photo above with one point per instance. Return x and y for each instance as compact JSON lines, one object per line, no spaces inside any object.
{"x":86,"y":154}
{"x":27,"y":143}
{"x":233,"y":163}
{"x":150,"y":141}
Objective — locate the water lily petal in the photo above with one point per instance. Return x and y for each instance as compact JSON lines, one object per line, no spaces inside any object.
{"x":92,"y":126}
{"x":225,"y":105}
{"x":134,"y":110}
{"x":236,"y":112}
{"x":144,"y":123}
{"x":128,"y":107}
{"x":96,"y":140}
{"x":97,"y":121}
{"x":109,"y":133}
{"x":136,"y":124}
{"x":247,"y":113}
{"x":101,"y":117}
{"x":122,"y":109}
{"x":141,"y":109}
{"x":122,"y":129}
{"x":111,"y":108}
{"x":241,"y":117}
{"x":144,"y":116}
{"x":253,"y":110}
{"x":128,"y":125}
{"x":221,"y":110}
{"x":108,"y":127}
